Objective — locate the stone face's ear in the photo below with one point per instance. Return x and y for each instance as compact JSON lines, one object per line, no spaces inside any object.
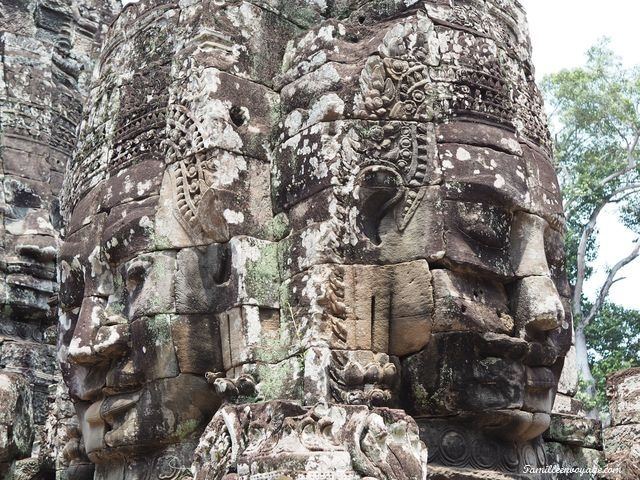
{"x":379,"y":190}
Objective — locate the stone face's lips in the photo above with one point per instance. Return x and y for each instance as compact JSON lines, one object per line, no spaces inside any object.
{"x":540,"y":378}
{"x":114,"y":406}
{"x":530,"y":353}
{"x":92,"y":415}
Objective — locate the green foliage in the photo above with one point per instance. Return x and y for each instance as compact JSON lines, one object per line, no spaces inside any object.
{"x":614,"y":344}
{"x":595,"y":117}
{"x":588,"y":402}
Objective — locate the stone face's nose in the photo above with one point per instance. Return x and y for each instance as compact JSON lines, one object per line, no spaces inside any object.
{"x":528,"y":256}
{"x":97,"y":337}
{"x":536,"y":304}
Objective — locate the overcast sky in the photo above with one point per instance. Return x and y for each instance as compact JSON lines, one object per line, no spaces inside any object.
{"x":561,"y":31}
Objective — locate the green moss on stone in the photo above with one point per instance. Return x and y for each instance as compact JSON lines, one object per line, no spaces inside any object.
{"x":186,"y":428}
{"x":274,"y":379}
{"x":263,"y":276}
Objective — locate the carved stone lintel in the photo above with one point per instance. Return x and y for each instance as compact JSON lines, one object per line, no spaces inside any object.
{"x":282,"y":439}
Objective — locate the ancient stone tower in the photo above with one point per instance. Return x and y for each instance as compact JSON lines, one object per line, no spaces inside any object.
{"x":310,"y":240}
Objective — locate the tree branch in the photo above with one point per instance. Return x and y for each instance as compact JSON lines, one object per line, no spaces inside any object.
{"x":631,"y":162}
{"x":611,"y":279}
{"x":625,"y":191}
{"x":582,"y":260}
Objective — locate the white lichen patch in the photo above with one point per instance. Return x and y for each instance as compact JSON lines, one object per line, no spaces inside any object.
{"x":75,"y":349}
{"x":208,"y":79}
{"x":322,"y":80}
{"x":321,"y":4}
{"x":447,"y":165}
{"x":228,"y":167}
{"x":113,"y":339}
{"x":326,"y":33}
{"x":242,"y":252}
{"x":143,"y":187}
{"x":512,"y":145}
{"x":127,"y":184}
{"x":44,"y":224}
{"x":328,"y":107}
{"x":145,"y":222}
{"x":316,"y":243}
{"x":253,"y":327}
{"x":499,"y":182}
{"x":233,"y":217}
{"x":96,"y":264}
{"x":462,"y":154}
{"x":320,"y":169}
{"x":64,"y":321}
{"x":97,"y":315}
{"x":293,"y":122}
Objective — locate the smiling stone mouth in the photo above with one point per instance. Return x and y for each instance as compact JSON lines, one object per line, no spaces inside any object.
{"x":114,"y":406}
{"x":119,"y":390}
{"x":530,"y":353}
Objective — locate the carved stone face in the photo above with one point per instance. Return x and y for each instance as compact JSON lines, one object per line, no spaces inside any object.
{"x":366,"y":215}
{"x":427,"y":224}
{"x":170,"y":176}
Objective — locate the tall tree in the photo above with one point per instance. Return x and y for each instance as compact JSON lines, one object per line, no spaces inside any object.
{"x":595,"y":114}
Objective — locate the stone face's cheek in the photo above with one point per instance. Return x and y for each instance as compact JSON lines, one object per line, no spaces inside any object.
{"x":90,"y":319}
{"x":83,"y":268}
{"x":556,"y":260}
{"x":546,"y":199}
{"x":477,"y":237}
{"x":152,"y":348}
{"x":129,"y":230}
{"x":150,"y":280}
{"x":220,"y":277}
{"x":197,"y":343}
{"x":469,"y":304}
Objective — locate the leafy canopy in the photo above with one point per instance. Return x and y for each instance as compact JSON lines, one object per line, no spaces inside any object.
{"x":595,"y":114}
